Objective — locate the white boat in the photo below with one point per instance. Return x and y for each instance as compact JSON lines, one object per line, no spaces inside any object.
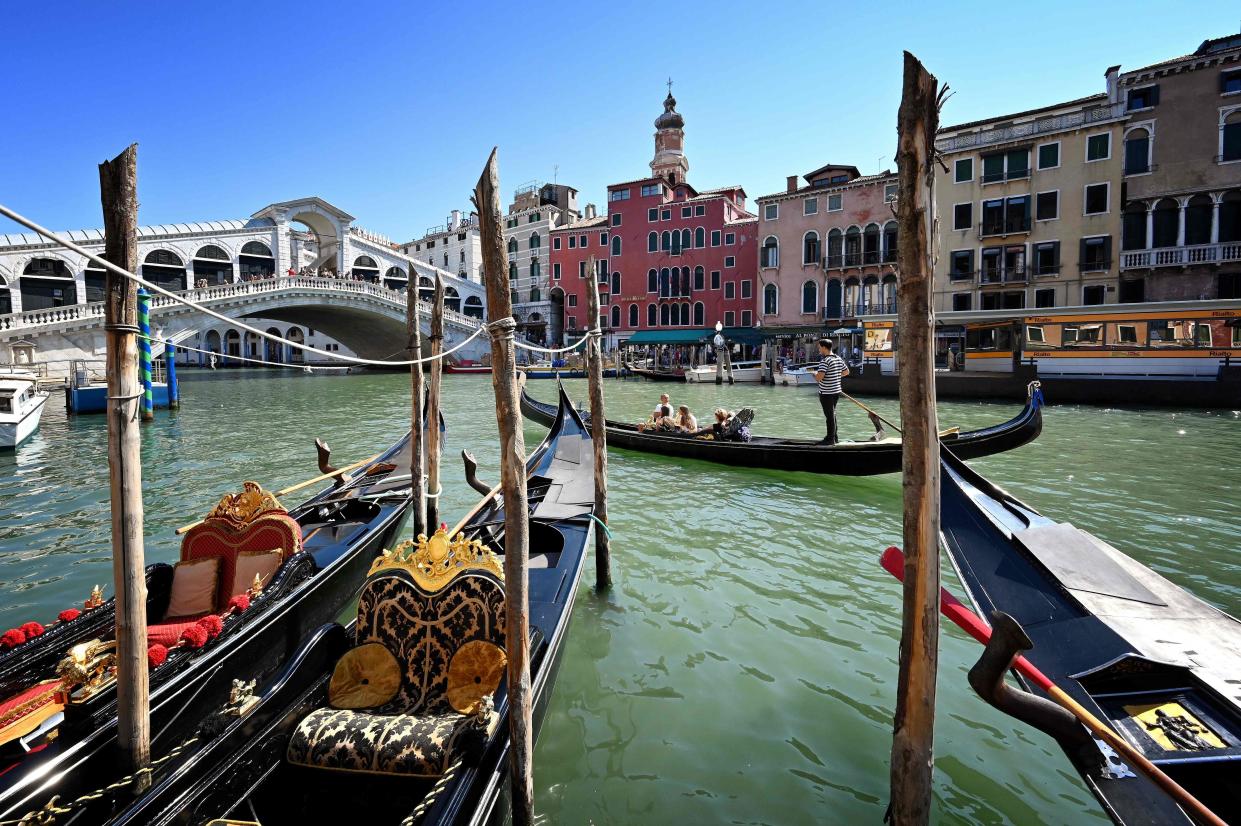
{"x":748,"y":371}
{"x":21,"y":405}
{"x":797,"y":375}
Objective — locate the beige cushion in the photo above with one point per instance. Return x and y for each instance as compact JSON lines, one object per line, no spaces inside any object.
{"x":193,"y":588}
{"x":249,"y":563}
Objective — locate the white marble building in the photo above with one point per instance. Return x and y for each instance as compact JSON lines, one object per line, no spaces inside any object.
{"x":535,"y":211}
{"x":454,"y":246}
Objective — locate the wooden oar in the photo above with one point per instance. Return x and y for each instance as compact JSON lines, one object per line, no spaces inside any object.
{"x":291,"y":488}
{"x":875,"y":418}
{"x":474,"y":511}
{"x":893,"y":562}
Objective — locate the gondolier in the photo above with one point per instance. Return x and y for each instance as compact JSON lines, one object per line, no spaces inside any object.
{"x":831,"y":370}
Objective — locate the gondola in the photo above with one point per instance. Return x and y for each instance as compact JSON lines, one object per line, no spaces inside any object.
{"x":58,"y":734}
{"x":844,"y":459}
{"x":1159,"y":666}
{"x":386,"y":719}
{"x":674,"y":374}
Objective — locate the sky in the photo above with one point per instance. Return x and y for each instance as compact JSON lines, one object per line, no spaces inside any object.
{"x":389,"y":109}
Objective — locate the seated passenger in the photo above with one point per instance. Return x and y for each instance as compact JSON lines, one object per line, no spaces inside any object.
{"x":685,"y":420}
{"x":663,"y":410}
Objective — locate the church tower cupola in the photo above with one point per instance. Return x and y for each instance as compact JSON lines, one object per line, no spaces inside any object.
{"x":670,"y":162}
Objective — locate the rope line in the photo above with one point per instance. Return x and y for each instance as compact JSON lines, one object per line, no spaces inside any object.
{"x":589,"y":334}
{"x":108,"y":265}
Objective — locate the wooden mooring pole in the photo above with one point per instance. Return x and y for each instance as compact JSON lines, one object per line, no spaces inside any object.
{"x":118,"y":190}
{"x":433,"y":405}
{"x":598,"y":432}
{"x":513,"y":484}
{"x":914,"y":725}
{"x":417,"y":481}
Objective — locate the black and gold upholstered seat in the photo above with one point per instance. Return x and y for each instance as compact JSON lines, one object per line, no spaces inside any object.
{"x":416,"y":690}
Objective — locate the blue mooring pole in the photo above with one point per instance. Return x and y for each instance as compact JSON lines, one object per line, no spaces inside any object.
{"x":144,"y":354}
{"x":170,"y":361}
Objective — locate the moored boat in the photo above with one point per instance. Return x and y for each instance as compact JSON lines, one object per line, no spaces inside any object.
{"x":464,"y":368}
{"x":1159,"y":666}
{"x":798,"y":375}
{"x":253,"y":578}
{"x":657,"y":374}
{"x":743,"y":371}
{"x":403,"y":714}
{"x":844,"y":459}
{"x":21,"y":407}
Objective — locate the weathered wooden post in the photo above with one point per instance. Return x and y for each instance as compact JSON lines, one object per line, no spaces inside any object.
{"x":417,"y":480}
{"x":598,"y":433}
{"x":118,"y":189}
{"x":513,"y":483}
{"x":914,"y":726}
{"x":433,"y":405}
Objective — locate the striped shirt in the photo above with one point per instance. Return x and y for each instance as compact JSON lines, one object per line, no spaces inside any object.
{"x":833,"y":368}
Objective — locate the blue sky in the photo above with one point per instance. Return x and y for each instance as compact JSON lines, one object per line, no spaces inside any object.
{"x":389,"y":109}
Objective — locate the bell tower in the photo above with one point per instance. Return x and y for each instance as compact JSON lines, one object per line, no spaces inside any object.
{"x":670,"y":162}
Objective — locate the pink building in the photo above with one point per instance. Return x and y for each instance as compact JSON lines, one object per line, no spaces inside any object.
{"x":827,"y":250}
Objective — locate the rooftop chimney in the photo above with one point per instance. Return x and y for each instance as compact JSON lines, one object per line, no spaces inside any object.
{"x":454,"y":220}
{"x":792,"y":184}
{"x":1113,"y":83}
{"x":590,"y":212}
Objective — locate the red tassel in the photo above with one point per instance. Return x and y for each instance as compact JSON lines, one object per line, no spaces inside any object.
{"x":195,"y":636}
{"x":212,"y":624}
{"x":12,"y":638}
{"x":240,"y":602}
{"x":156,"y":655}
{"x":68,"y":615}
{"x":32,"y":629}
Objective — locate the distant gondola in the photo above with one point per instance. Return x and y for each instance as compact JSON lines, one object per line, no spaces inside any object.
{"x":844,"y":459}
{"x":403,"y":713}
{"x":58,"y":735}
{"x":1158,"y":665}
{"x":676,"y":374}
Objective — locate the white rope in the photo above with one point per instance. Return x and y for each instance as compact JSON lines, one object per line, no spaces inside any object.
{"x":155,"y":288}
{"x":535,"y":348}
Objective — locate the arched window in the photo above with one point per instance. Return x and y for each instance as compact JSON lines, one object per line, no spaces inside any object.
{"x":700,"y":238}
{"x":652,"y":281}
{"x":161,"y":267}
{"x":1137,"y":151}
{"x":686,"y":239}
{"x":699,"y":278}
{"x":1230,"y":217}
{"x":163,"y":258}
{"x":853,"y":297}
{"x":615,"y":283}
{"x":835,"y":249}
{"x":870,"y":244}
{"x":536,"y":294}
{"x":1198,"y":220}
{"x":769,"y":254}
{"x":512,"y":271}
{"x":394,"y":278}
{"x":665,"y":315}
{"x":853,"y":247}
{"x":452,"y":299}
{"x":889,"y":242}
{"x":1167,"y":217}
{"x":616,"y":244}
{"x":870,"y":290}
{"x":810,"y":248}
{"x":771,"y":300}
{"x":535,"y":271}
{"x":615,"y":316}
{"x":700,"y":312}
{"x":474,"y":307}
{"x":256,"y":248}
{"x":652,"y":242}
{"x":665,"y":289}
{"x":810,"y":297}
{"x":831,"y":305}
{"x":684,"y":281}
{"x":535,"y":241}
{"x":633,"y":316}
{"x":887,"y":294}
{"x":685,"y":313}
{"x":512,"y":246}
{"x":665,"y":241}
{"x":652,"y":315}
{"x":676,"y":242}
{"x":213,"y":253}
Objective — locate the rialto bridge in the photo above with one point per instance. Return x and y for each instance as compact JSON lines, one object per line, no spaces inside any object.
{"x":300,"y":262}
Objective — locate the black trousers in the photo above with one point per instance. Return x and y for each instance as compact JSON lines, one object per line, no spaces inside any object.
{"x":828,"y":402}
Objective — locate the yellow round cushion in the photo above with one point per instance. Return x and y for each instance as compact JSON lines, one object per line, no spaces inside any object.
{"x":367,"y":676}
{"x":475,"y":671}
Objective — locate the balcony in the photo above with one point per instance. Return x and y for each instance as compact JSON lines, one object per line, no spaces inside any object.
{"x":1196,"y":255}
{"x":1010,"y":226}
{"x":1033,"y":128}
{"x":1010,"y":175}
{"x":857,"y":309}
{"x":1013,"y":275}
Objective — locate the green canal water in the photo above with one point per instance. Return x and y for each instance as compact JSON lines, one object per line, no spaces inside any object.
{"x":743,"y":668}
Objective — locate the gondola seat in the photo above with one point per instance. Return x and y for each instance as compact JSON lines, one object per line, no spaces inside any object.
{"x":250,"y":522}
{"x":416,"y":692}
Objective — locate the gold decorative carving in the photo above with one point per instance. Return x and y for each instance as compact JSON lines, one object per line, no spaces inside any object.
{"x":436,"y":561}
{"x":90,"y":665}
{"x":241,"y":698}
{"x":246,"y":506}
{"x":95,"y":599}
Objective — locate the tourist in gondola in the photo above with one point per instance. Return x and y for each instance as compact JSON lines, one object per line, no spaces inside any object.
{"x":686,"y":422}
{"x":831,"y":370}
{"x":663,"y":410}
